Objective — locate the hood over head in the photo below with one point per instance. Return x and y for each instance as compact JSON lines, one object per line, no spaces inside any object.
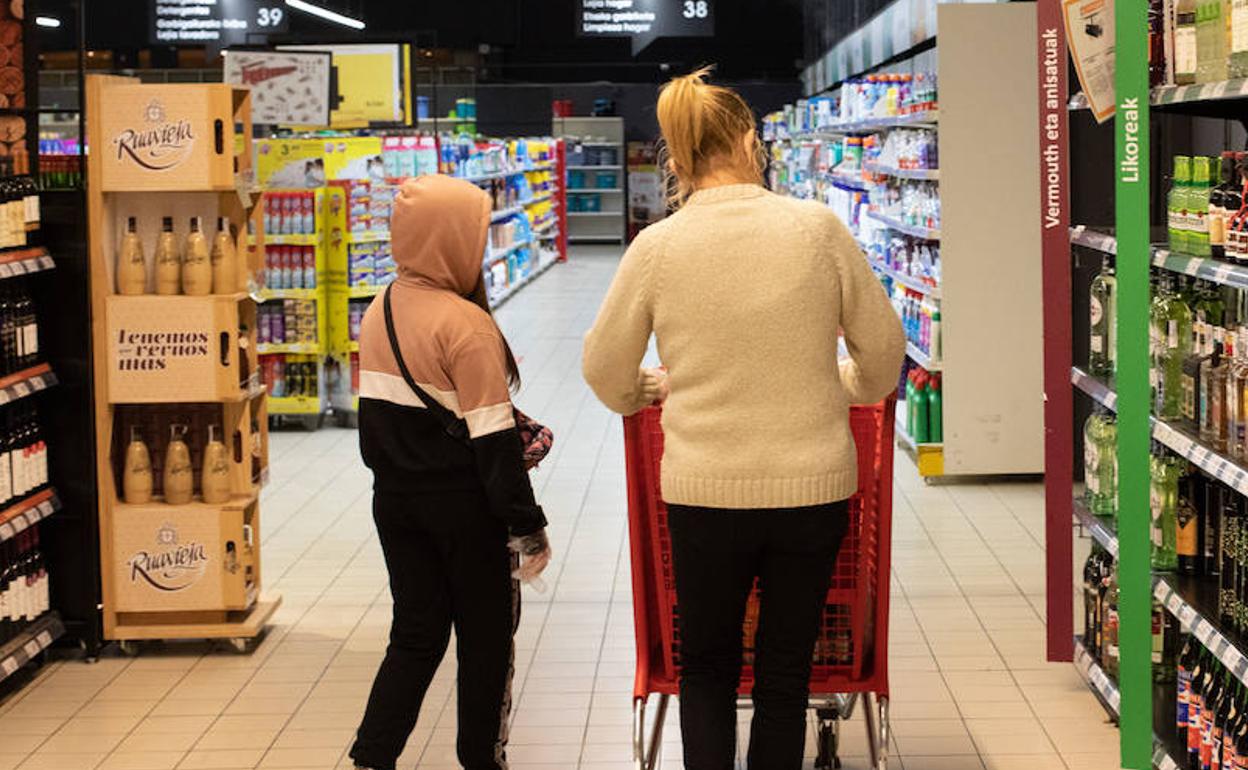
{"x":438,"y":230}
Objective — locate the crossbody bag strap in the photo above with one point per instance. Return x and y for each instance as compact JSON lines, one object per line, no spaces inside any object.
{"x":452,"y":424}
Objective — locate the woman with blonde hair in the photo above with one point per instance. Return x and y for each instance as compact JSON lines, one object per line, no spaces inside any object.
{"x":746,"y":293}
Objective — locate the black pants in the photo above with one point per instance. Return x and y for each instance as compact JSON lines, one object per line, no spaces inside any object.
{"x":717,"y":555}
{"x":449,"y":565}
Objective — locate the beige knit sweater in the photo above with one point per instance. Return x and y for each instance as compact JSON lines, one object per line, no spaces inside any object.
{"x":746,"y":292}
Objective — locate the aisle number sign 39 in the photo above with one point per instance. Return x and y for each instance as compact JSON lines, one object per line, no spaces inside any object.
{"x":215,"y":23}
{"x":645,"y":20}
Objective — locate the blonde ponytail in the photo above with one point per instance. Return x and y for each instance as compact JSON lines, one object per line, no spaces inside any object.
{"x":704,"y":127}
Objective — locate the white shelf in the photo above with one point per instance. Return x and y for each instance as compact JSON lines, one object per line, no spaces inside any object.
{"x":920,"y":358}
{"x":595,"y":168}
{"x":511,"y":290}
{"x":927,"y":174}
{"x":918,"y":231}
{"x":913,"y":284}
{"x":595,"y":189}
{"x":497,"y":254}
{"x":1100,"y":529}
{"x":1096,"y":677}
{"x":853,"y":181}
{"x":925,"y":118}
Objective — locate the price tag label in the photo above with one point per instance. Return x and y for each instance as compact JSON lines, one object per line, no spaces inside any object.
{"x":21,"y":389}
{"x":1203,"y":630}
{"x":32,"y":648}
{"x":6,"y":270}
{"x":46,"y":262}
{"x":8,"y":666}
{"x":45,"y":639}
{"x":1232,"y":659}
{"x":19,"y":268}
{"x":1173,"y":603}
{"x":6,"y":531}
{"x":46,"y":508}
{"x":1186,"y":615}
{"x":20,"y":522}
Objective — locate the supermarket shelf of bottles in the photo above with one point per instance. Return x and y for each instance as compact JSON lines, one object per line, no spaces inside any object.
{"x":1098,"y":528}
{"x":31,"y":641}
{"x":919,"y":118}
{"x":849,"y":180}
{"x":925,"y":174}
{"x":1173,"y":438}
{"x":1100,"y":682}
{"x":504,"y":174}
{"x":909,"y":282}
{"x":510,"y":291}
{"x":1196,"y":611}
{"x":926,"y":233}
{"x":25,"y":262}
{"x":27,"y":513}
{"x":506,"y":251}
{"x":921,"y":358}
{"x":907,"y":441}
{"x":1204,"y":268}
{"x":1161,"y":96}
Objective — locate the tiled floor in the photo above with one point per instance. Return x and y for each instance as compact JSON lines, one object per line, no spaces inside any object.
{"x":970,"y":688}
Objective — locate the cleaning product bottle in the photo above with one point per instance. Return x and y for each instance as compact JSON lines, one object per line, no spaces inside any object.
{"x":214,"y":481}
{"x":168,"y":263}
{"x":920,"y":434}
{"x":136,"y":480}
{"x":224,"y":260}
{"x":935,"y":416}
{"x":178,"y":480}
{"x":910,"y":400}
{"x":131,"y":265}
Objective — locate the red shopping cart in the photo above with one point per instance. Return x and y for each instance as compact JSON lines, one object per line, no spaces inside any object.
{"x":851,"y":655}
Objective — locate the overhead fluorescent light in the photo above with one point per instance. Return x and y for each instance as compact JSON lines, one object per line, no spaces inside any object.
{"x":325,"y":13}
{"x":47,"y":21}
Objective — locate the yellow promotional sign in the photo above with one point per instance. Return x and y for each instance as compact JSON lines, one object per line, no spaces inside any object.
{"x":372,"y":83}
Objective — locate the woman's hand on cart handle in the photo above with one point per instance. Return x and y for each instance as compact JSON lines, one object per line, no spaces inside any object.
{"x":534,"y":550}
{"x":654,"y":388}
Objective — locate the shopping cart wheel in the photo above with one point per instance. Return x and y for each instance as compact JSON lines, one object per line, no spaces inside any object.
{"x":828,"y":757}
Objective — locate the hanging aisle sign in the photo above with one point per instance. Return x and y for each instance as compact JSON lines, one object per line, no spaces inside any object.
{"x":1131,"y":202}
{"x":215,"y":23}
{"x":644,"y":21}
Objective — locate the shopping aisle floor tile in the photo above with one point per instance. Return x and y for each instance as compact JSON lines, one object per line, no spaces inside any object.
{"x":970,"y":687}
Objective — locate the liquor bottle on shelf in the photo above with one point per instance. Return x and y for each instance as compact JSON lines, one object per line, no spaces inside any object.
{"x":1165,"y":638}
{"x":1212,"y":29}
{"x":196,"y":262}
{"x":24,"y":595}
{"x":1176,"y":205}
{"x":131,"y":264}
{"x":1190,"y":738}
{"x":215,"y":472}
{"x":178,"y":481}
{"x":1100,"y":472}
{"x":224,"y":260}
{"x":1198,"y":208}
{"x":1219,"y":200}
{"x":1092,"y":621}
{"x":1185,"y":58}
{"x":1189,"y":522}
{"x":1103,"y":319}
{"x":137,"y":473}
{"x":168,"y":261}
{"x":1163,"y":502}
{"x":1230,"y":524}
{"x":1192,"y":365}
{"x":1109,"y":624}
{"x":1187,"y":665}
{"x":1236,"y":406}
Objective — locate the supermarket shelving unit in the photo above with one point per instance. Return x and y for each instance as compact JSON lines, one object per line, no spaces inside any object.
{"x":216,"y":590}
{"x":992,"y":402}
{"x":1191,"y":601}
{"x":610,"y":223}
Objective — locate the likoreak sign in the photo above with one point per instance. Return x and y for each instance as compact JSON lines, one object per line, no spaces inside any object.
{"x":645,"y":20}
{"x":215,"y":23}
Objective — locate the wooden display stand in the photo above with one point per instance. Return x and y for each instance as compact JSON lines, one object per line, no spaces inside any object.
{"x":193,"y":570}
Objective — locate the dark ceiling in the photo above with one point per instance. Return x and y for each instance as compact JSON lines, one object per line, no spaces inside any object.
{"x":529,"y":40}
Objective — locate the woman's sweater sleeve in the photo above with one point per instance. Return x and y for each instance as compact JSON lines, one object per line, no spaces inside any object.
{"x":615,"y":346}
{"x":480,"y":377}
{"x":873,"y":333}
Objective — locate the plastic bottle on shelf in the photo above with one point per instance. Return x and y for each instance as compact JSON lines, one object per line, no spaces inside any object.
{"x":131,"y":264}
{"x":168,"y":262}
{"x":1198,"y":208}
{"x":1211,"y":42}
{"x":1185,"y":54}
{"x":1176,"y":205}
{"x":1103,"y":321}
{"x":224,"y":260}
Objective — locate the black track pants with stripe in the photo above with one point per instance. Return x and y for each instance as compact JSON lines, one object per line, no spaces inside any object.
{"x":449,"y":567}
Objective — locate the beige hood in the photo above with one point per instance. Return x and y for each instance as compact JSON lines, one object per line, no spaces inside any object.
{"x":438,"y":230}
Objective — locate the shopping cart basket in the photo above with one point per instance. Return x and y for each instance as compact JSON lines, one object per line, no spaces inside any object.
{"x":851,"y":655}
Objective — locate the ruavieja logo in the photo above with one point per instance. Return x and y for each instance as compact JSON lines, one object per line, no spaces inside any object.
{"x":160,"y":145}
{"x":169,"y":565}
